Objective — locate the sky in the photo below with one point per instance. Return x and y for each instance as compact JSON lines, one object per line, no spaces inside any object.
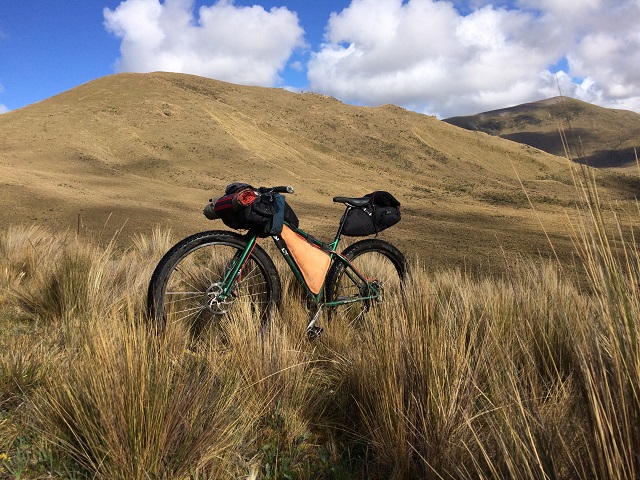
{"x":441,"y":58}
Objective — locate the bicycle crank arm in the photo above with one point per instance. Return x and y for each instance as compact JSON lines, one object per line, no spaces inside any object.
{"x":314,"y":331}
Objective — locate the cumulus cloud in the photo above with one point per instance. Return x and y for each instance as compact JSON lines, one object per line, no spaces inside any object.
{"x":439,"y":57}
{"x":246,"y":45}
{"x":451,"y":58}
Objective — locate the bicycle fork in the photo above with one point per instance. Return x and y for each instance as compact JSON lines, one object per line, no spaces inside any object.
{"x":224,"y":292}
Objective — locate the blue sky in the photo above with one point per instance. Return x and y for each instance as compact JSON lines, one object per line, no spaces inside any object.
{"x":441,"y":58}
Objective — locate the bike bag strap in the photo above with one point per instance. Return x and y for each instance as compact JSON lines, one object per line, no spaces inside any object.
{"x":312,"y":240}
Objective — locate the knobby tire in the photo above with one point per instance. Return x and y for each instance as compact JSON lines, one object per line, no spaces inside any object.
{"x":184,"y":288}
{"x":376,"y":260}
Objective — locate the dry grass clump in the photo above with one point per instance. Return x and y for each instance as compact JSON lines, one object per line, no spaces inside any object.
{"x":462,"y":378}
{"x":530,"y":375}
{"x":156,"y":411}
{"x":107,"y":398}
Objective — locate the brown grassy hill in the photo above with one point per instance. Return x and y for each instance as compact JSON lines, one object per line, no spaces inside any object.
{"x":599,"y":137}
{"x":135,"y":150}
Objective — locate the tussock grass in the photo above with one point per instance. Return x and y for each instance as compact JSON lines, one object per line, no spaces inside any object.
{"x":149,"y":414}
{"x":530,"y":375}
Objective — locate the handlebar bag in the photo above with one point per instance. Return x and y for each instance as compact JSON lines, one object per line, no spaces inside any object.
{"x":268,"y":214}
{"x":243,"y":208}
{"x":265,"y":214}
{"x":229,"y":208}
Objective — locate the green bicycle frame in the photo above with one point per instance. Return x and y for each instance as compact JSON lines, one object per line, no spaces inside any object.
{"x":368,"y":289}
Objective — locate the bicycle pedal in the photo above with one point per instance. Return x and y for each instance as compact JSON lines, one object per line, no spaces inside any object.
{"x":313,"y":333}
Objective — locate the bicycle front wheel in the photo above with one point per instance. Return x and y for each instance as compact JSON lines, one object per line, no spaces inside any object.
{"x":376,"y":272}
{"x":188,"y":289}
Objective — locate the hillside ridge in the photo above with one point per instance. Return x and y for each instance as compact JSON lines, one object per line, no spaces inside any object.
{"x":130,"y":151}
{"x":597,"y":136}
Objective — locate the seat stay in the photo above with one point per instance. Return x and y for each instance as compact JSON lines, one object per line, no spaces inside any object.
{"x":372,"y":291}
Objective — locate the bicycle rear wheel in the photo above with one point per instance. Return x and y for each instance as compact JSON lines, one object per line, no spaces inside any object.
{"x":380,"y":263}
{"x":187,"y":287}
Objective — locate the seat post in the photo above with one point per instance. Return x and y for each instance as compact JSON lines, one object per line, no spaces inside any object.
{"x":340,"y":227}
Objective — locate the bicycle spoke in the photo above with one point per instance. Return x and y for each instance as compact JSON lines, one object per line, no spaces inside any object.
{"x":375,"y":271}
{"x":180,"y":319}
{"x":189,"y":285}
{"x":183,"y":300}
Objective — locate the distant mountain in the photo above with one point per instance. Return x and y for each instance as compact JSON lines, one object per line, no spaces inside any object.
{"x":599,"y":137}
{"x":130,"y":151}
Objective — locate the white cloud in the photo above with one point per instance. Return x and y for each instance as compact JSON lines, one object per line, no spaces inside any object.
{"x":435,"y":56}
{"x":297,"y":66}
{"x":428,"y":56}
{"x":246,"y":45}
{"x":564,"y":7}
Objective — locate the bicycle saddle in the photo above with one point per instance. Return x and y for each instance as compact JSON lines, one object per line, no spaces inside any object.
{"x":353,"y":202}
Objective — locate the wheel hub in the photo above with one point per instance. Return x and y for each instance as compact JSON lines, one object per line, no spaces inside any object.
{"x":378,"y":288}
{"x":218,"y":303}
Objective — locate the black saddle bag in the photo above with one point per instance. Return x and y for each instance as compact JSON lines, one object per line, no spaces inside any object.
{"x":382,"y":212}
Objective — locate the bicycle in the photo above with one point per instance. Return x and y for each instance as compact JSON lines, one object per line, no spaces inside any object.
{"x":207,"y":276}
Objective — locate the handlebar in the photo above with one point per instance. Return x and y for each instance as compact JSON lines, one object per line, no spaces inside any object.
{"x":281,"y":189}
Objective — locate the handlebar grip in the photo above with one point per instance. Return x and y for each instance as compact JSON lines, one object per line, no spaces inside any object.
{"x":284,"y":189}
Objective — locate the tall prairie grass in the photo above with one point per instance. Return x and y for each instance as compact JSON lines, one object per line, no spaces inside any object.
{"x":532,"y":375}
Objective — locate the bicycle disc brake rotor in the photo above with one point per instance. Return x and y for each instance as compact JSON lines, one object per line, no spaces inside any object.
{"x":218,"y":303}
{"x":379,"y":289}
{"x":372,"y":292}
